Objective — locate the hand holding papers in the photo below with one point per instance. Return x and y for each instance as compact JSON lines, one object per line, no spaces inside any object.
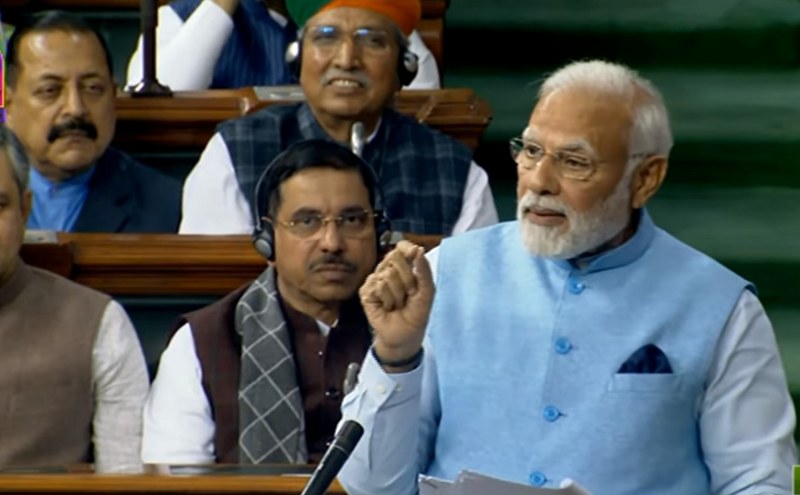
{"x":472,"y":483}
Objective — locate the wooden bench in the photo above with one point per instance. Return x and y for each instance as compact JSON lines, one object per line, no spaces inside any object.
{"x":157,"y":264}
{"x":187,"y":120}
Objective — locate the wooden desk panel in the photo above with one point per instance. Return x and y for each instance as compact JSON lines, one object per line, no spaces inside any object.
{"x":185,"y":121}
{"x":161,"y":264}
{"x":157,"y":264}
{"x":188,"y":120}
{"x":75,"y":484}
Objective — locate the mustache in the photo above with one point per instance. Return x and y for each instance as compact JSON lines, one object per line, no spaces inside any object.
{"x":533,"y":200}
{"x":357,"y":75}
{"x":82,"y":125}
{"x":332,"y":259}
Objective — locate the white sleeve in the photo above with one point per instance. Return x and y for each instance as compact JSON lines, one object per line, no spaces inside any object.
{"x":213,"y":203}
{"x":747,"y":419}
{"x":428,"y":72}
{"x":399,"y":413}
{"x":478,"y":208}
{"x":178,"y":427}
{"x":120,"y":383}
{"x":186,"y":53}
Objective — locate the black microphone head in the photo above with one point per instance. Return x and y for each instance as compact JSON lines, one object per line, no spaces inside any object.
{"x":349,"y":435}
{"x":340,"y":449}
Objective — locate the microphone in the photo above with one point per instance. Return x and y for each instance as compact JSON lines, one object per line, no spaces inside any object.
{"x":149,"y":85}
{"x":357,"y":138}
{"x":333,"y":460}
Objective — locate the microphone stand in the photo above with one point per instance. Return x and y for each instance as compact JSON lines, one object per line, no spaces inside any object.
{"x":149,"y":85}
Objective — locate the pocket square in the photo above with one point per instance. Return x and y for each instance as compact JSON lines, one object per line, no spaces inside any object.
{"x":647,"y":359}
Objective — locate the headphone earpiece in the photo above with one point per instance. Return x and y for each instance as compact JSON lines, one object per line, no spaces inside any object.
{"x":292,"y":57}
{"x":383,"y":232}
{"x":408,"y":67}
{"x":263,"y":240}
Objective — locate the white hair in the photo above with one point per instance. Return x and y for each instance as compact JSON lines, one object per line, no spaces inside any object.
{"x":650,"y":131}
{"x":586,"y":231}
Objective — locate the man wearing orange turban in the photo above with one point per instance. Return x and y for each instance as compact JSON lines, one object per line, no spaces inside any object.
{"x":405,"y":13}
{"x":205,"y":44}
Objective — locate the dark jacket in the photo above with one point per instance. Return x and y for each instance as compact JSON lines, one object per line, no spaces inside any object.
{"x":126,"y":196}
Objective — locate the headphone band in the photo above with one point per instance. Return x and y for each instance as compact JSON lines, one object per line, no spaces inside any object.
{"x":263,"y":235}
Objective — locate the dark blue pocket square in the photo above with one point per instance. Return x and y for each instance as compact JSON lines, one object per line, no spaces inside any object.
{"x":648,"y":359}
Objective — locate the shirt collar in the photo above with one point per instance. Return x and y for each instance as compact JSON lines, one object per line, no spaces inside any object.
{"x":621,"y":255}
{"x":42,"y":185}
{"x":351,"y":314}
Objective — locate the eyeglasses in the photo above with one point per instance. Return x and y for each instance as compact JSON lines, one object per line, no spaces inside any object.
{"x":354,"y":224}
{"x":330,"y":38}
{"x":568,"y":164}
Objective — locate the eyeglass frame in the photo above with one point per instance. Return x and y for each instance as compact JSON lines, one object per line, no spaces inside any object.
{"x":356,"y":35}
{"x":558,"y":158}
{"x":324,"y":220}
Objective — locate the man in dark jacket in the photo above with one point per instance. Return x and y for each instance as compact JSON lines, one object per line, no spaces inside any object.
{"x":60,"y":103}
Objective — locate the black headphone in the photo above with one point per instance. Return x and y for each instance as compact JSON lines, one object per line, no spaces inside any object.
{"x":307,"y":154}
{"x":407,"y":62}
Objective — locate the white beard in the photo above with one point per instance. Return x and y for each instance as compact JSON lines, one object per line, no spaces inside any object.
{"x":587,"y":231}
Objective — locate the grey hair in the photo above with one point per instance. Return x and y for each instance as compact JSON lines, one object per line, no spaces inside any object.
{"x":650,"y":132}
{"x":17,"y":157}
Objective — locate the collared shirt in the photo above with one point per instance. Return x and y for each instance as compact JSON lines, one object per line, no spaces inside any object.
{"x":57,"y":205}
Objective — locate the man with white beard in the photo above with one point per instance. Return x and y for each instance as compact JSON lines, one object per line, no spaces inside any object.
{"x":580,"y":341}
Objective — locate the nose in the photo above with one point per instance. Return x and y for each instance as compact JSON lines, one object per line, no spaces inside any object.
{"x":74,"y":105}
{"x":331,"y":240}
{"x":347,"y":54}
{"x":538,"y":176}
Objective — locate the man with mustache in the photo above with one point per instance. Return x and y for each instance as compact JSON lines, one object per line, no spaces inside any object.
{"x":581,"y":341}
{"x":205,"y":44}
{"x":257,"y":377}
{"x":60,"y":102}
{"x":353,"y":57}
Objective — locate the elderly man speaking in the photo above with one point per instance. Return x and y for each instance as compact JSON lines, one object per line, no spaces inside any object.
{"x":583,"y":342}
{"x":353,"y":57}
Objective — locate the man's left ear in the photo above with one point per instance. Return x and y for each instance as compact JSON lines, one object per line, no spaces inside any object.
{"x":647,"y":179}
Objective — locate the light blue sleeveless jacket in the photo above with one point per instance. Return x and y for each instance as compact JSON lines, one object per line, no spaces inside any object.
{"x":528,"y":352}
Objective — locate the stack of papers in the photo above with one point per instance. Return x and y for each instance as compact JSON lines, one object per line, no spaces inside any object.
{"x":472,"y":483}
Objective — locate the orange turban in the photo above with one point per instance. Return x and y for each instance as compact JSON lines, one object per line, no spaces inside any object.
{"x":405,"y":13}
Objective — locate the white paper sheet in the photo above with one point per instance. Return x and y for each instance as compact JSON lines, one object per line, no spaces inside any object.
{"x":472,"y":483}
